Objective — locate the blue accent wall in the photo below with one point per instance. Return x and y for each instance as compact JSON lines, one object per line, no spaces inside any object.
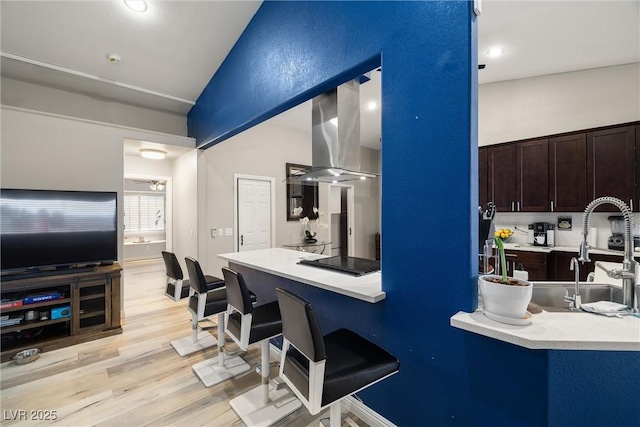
{"x":292,"y":51}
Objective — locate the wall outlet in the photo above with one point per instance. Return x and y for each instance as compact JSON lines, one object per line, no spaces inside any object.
{"x":214,"y":232}
{"x":228,"y":231}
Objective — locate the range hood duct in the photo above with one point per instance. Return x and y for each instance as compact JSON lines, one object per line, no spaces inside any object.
{"x":335,"y":137}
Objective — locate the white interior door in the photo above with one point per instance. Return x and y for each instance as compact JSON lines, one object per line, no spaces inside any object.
{"x":254,"y":214}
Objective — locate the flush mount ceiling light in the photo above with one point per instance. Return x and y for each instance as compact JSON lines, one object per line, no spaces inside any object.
{"x":153,"y":154}
{"x":136,"y":5}
{"x":494,"y":52}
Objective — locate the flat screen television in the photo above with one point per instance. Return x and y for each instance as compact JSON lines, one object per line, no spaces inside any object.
{"x":50,"y":228}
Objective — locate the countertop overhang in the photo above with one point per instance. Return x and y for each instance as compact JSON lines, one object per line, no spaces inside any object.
{"x":284,"y":263}
{"x":558,"y":331}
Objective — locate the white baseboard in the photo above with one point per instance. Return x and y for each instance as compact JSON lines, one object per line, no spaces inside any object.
{"x":351,"y":404}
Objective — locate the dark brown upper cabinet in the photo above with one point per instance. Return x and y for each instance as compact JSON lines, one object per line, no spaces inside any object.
{"x":562,"y":173}
{"x":532,"y":176}
{"x":501,"y":174}
{"x":483,"y":185}
{"x":568,"y":173}
{"x":611,"y":165}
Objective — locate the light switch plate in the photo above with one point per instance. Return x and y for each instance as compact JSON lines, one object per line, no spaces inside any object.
{"x":228,"y":231}
{"x":214,"y":232}
{"x":220,"y":232}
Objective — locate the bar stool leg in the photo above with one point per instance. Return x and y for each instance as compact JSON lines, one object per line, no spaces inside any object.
{"x":194,"y":342}
{"x":265,"y":405}
{"x":221,"y":368}
{"x":335,"y":419}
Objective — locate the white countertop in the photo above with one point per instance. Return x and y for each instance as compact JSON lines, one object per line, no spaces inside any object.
{"x":284,"y":263}
{"x":147,"y":242}
{"x":548,"y":249}
{"x":558,"y":331}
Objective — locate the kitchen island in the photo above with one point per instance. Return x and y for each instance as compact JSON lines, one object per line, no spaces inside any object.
{"x":284,"y":263}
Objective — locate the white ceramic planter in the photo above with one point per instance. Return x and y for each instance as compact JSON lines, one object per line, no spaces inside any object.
{"x":505,"y":300}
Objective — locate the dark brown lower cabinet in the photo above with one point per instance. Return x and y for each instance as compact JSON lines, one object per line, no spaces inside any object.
{"x":561,"y":261}
{"x":535,"y":263}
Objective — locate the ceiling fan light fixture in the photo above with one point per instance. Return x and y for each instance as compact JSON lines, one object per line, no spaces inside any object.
{"x":139,"y":6}
{"x":153,"y":154}
{"x":157,"y":185}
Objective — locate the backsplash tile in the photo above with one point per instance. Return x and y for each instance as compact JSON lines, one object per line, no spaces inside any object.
{"x":562,"y":237}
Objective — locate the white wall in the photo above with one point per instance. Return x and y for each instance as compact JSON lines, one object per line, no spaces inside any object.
{"x":46,"y":151}
{"x":46,"y":99}
{"x":263,"y":151}
{"x":528,"y":108}
{"x":185,"y":207}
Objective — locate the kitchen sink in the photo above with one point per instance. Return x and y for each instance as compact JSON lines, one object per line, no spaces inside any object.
{"x":550,"y":295}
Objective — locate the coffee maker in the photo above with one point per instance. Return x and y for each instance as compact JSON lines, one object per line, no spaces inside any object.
{"x":541,"y":234}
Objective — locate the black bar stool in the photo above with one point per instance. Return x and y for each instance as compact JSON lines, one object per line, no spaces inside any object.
{"x":205,"y":300}
{"x":177,"y":286}
{"x":323,"y":370}
{"x":246,"y":325}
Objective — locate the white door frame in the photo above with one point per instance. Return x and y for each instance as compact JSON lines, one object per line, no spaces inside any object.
{"x":351,"y":211}
{"x":272,"y":185}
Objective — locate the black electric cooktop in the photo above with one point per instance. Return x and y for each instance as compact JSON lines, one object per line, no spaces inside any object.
{"x":345,"y":264}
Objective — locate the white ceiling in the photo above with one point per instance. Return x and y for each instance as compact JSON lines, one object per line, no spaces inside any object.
{"x":170,"y":52}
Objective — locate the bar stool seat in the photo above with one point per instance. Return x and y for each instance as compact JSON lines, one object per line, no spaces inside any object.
{"x":206,"y":300}
{"x":323,"y":370}
{"x":352,"y":363}
{"x":265,"y":323}
{"x":246,"y":325}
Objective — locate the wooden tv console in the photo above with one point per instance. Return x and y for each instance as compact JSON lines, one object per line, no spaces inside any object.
{"x":88,"y":308}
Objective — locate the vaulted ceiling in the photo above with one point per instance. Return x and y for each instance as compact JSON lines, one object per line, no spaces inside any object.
{"x":163,"y":58}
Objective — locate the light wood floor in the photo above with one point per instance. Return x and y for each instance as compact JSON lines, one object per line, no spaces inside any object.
{"x":132,"y":379}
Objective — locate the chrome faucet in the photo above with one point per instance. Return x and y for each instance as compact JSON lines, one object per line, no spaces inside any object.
{"x":575,"y":300}
{"x":628,"y":271}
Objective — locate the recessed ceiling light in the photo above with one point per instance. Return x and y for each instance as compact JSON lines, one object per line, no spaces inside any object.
{"x":372,"y":105}
{"x":153,"y":154}
{"x":495,"y":52}
{"x":136,"y":5}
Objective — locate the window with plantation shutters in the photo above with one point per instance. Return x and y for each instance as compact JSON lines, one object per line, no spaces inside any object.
{"x":144,"y":212}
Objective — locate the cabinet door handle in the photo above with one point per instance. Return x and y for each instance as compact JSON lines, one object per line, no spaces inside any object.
{"x":551,"y":205}
{"x":512,"y":207}
{"x":518,"y":206}
{"x":241,"y":240}
{"x":631,"y":204}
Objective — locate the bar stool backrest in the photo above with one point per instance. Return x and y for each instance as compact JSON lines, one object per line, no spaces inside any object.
{"x":172,"y":266}
{"x":237,"y":292}
{"x":196,"y":276}
{"x":300,"y":325}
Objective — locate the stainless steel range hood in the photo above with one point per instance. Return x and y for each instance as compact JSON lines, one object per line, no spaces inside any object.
{"x":335,"y":138}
